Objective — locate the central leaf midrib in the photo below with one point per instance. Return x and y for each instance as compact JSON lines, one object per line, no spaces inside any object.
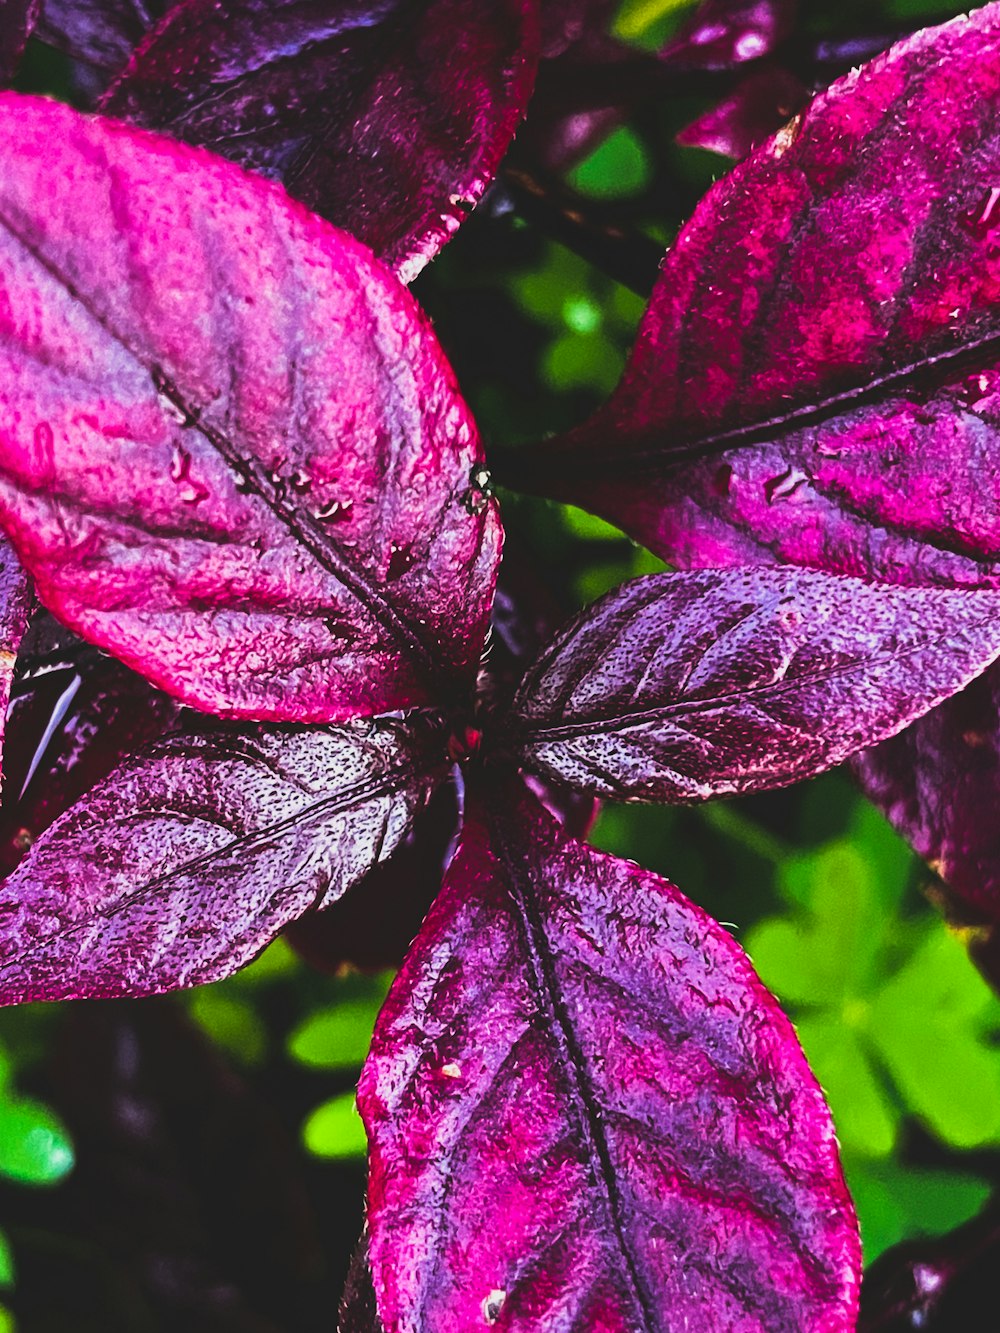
{"x":366,"y":789}
{"x":655,"y":455}
{"x":661,"y":712}
{"x":574,"y":1063}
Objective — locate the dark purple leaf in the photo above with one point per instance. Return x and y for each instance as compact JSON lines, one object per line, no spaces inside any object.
{"x":101,"y":33}
{"x":569,"y":24}
{"x":680,"y":687}
{"x":945,"y":1285}
{"x":17,"y":18}
{"x":239,"y":460}
{"x":389,"y":118}
{"x":724,"y":33}
{"x":358,"y":1312}
{"x":375,"y":922}
{"x":74,"y":716}
{"x":939,"y":784}
{"x":183,"y":864}
{"x":751,"y":113}
{"x":816,"y":379}
{"x":586,"y":1113}
{"x":16,"y":599}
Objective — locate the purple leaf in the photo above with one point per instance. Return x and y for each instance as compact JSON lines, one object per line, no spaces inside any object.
{"x":569,"y":24}
{"x":183,"y":864}
{"x":751,"y":113}
{"x":374,"y":924}
{"x":724,"y":33}
{"x":815,"y":379}
{"x":239,"y":460}
{"x":16,"y":599}
{"x":389,"y":118}
{"x":938,"y":782}
{"x":74,"y":716}
{"x":17,"y":18}
{"x":586,"y":1113}
{"x":100,"y":33}
{"x":681,"y":687}
{"x":358,"y":1312}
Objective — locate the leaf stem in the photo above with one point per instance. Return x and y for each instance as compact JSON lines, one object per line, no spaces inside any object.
{"x":628,"y":257}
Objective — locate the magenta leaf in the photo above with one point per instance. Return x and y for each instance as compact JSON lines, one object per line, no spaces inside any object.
{"x":239,"y":460}
{"x":16,"y":600}
{"x":388,"y":118}
{"x":815,"y":379}
{"x":184,"y":863}
{"x":681,"y":687}
{"x":724,"y":33}
{"x":939,"y":783}
{"x":586,"y":1113}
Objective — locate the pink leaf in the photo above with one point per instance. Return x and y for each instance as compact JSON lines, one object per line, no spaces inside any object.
{"x":390,"y":119}
{"x":239,"y":460}
{"x":816,"y":378}
{"x":184,"y":863}
{"x":586,"y":1113}
{"x":758,"y":106}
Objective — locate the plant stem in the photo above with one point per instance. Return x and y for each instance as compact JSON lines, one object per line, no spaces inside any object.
{"x":630,"y":258}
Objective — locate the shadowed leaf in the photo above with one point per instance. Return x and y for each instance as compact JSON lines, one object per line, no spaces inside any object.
{"x":183,"y":864}
{"x":680,"y":687}
{"x":390,"y":117}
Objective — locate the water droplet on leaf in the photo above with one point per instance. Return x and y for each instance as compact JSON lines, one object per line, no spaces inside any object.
{"x":981,"y":219}
{"x":786,"y":485}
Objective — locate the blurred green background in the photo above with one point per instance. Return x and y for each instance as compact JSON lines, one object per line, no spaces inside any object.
{"x":897,"y":1023}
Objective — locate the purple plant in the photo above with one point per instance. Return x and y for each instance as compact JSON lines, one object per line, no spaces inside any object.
{"x":234,"y":457}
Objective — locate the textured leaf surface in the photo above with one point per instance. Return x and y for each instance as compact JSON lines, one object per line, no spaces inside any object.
{"x":389,"y":118}
{"x":586,"y":1113}
{"x":679,"y":687}
{"x":816,"y":378}
{"x":16,"y":601}
{"x":100,"y":33}
{"x":938,"y":782}
{"x":238,"y":459}
{"x":185,"y":862}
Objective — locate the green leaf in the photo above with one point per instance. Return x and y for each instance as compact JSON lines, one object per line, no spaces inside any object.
{"x":336,"y":1038}
{"x":924,"y":1024}
{"x":617,"y":168}
{"x":231,"y":1022}
{"x":866,"y":1119}
{"x":335,"y":1129}
{"x":895,"y":1203}
{"x":6,"y":1262}
{"x":34,"y":1147}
